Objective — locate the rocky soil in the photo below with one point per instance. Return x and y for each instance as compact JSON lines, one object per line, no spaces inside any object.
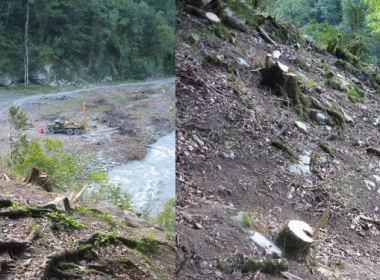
{"x":253,"y":155}
{"x":91,"y":241}
{"x":123,"y":119}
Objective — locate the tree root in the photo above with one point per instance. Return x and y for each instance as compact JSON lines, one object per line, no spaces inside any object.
{"x":16,"y":244}
{"x":5,"y":202}
{"x":139,"y":244}
{"x":44,"y":269}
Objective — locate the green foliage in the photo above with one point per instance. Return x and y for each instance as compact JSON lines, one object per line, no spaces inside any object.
{"x":146,"y":245}
{"x":166,"y":218}
{"x":103,"y":216}
{"x":71,"y":170}
{"x":248,"y":221}
{"x":325,"y":147}
{"x":106,"y":238}
{"x":311,"y":83}
{"x":18,"y":125}
{"x":67,"y":221}
{"x":352,"y":95}
{"x":95,"y":38}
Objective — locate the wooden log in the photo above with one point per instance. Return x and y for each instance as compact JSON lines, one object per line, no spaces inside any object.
{"x":295,"y":240}
{"x":265,"y":36}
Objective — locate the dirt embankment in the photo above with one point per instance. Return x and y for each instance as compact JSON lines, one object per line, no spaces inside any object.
{"x":239,"y":148}
{"x":123,"y":119}
{"x":91,"y":241}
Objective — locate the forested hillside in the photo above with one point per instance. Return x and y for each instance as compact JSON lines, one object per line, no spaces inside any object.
{"x":68,"y":40}
{"x":355,"y":20}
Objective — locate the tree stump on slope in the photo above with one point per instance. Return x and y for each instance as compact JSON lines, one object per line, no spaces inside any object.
{"x":286,"y":84}
{"x":295,"y":240}
{"x":38,"y":178}
{"x":59,"y":203}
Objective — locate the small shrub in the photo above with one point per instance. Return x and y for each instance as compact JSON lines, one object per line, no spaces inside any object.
{"x":66,"y":221}
{"x":248,"y":221}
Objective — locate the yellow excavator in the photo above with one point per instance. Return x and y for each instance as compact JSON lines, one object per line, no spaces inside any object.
{"x":70,"y":127}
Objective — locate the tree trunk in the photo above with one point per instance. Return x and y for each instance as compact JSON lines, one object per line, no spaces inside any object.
{"x":26,"y":76}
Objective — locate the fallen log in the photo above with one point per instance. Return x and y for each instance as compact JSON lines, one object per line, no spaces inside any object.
{"x":265,"y":36}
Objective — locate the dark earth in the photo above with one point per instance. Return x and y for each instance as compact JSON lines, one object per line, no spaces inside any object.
{"x":226,"y":122}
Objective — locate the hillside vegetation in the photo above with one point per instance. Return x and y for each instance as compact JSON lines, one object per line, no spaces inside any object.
{"x":67,"y":40}
{"x":273,"y":126}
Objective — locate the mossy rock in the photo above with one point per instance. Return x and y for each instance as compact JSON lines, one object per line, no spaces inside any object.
{"x":301,"y":63}
{"x":315,"y":160}
{"x":127,"y":262}
{"x":214,"y":58}
{"x":225,"y":268}
{"x":271,"y":266}
{"x":325,"y":147}
{"x":192,"y":39}
{"x":347,"y":67}
{"x":281,"y":146}
{"x":223,"y":33}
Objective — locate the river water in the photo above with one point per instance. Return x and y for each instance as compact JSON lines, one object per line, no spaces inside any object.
{"x":150,"y":181}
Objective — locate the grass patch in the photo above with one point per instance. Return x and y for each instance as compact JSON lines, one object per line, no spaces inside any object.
{"x":66,"y":221}
{"x":248,"y":221}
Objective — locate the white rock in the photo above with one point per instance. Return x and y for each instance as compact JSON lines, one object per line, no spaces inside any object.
{"x":262,"y":242}
{"x":377,"y":178}
{"x":242,"y":62}
{"x":369,"y":184}
{"x":276,"y":54}
{"x":301,"y":126}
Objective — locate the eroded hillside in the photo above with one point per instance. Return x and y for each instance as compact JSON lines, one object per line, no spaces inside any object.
{"x":263,"y":140}
{"x":90,"y":241}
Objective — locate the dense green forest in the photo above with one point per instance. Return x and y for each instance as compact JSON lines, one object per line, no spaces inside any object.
{"x":69,"y":39}
{"x":356,"y":20}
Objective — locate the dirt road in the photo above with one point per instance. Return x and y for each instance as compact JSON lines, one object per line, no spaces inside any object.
{"x":9,"y":99}
{"x":123,"y":119}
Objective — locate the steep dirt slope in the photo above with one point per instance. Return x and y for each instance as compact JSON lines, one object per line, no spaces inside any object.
{"x":90,"y":242}
{"x":237,"y":141}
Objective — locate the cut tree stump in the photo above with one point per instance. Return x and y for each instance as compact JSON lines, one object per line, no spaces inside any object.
{"x":212,"y":18}
{"x":38,"y":178}
{"x":59,"y":203}
{"x":284,"y":83}
{"x":295,"y":240}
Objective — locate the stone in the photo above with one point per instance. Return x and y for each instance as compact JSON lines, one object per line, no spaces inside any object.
{"x":300,"y":169}
{"x":301,"y":126}
{"x":132,"y":220}
{"x":238,"y":219}
{"x":198,"y":140}
{"x":276,"y":54}
{"x":303,"y":166}
{"x":369,"y":184}
{"x":242,"y":61}
{"x":265,"y":244}
{"x":320,"y":117}
{"x":377,"y":178}
{"x":213,"y":18}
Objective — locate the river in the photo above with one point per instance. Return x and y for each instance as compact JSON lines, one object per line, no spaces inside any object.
{"x":150,"y":181}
